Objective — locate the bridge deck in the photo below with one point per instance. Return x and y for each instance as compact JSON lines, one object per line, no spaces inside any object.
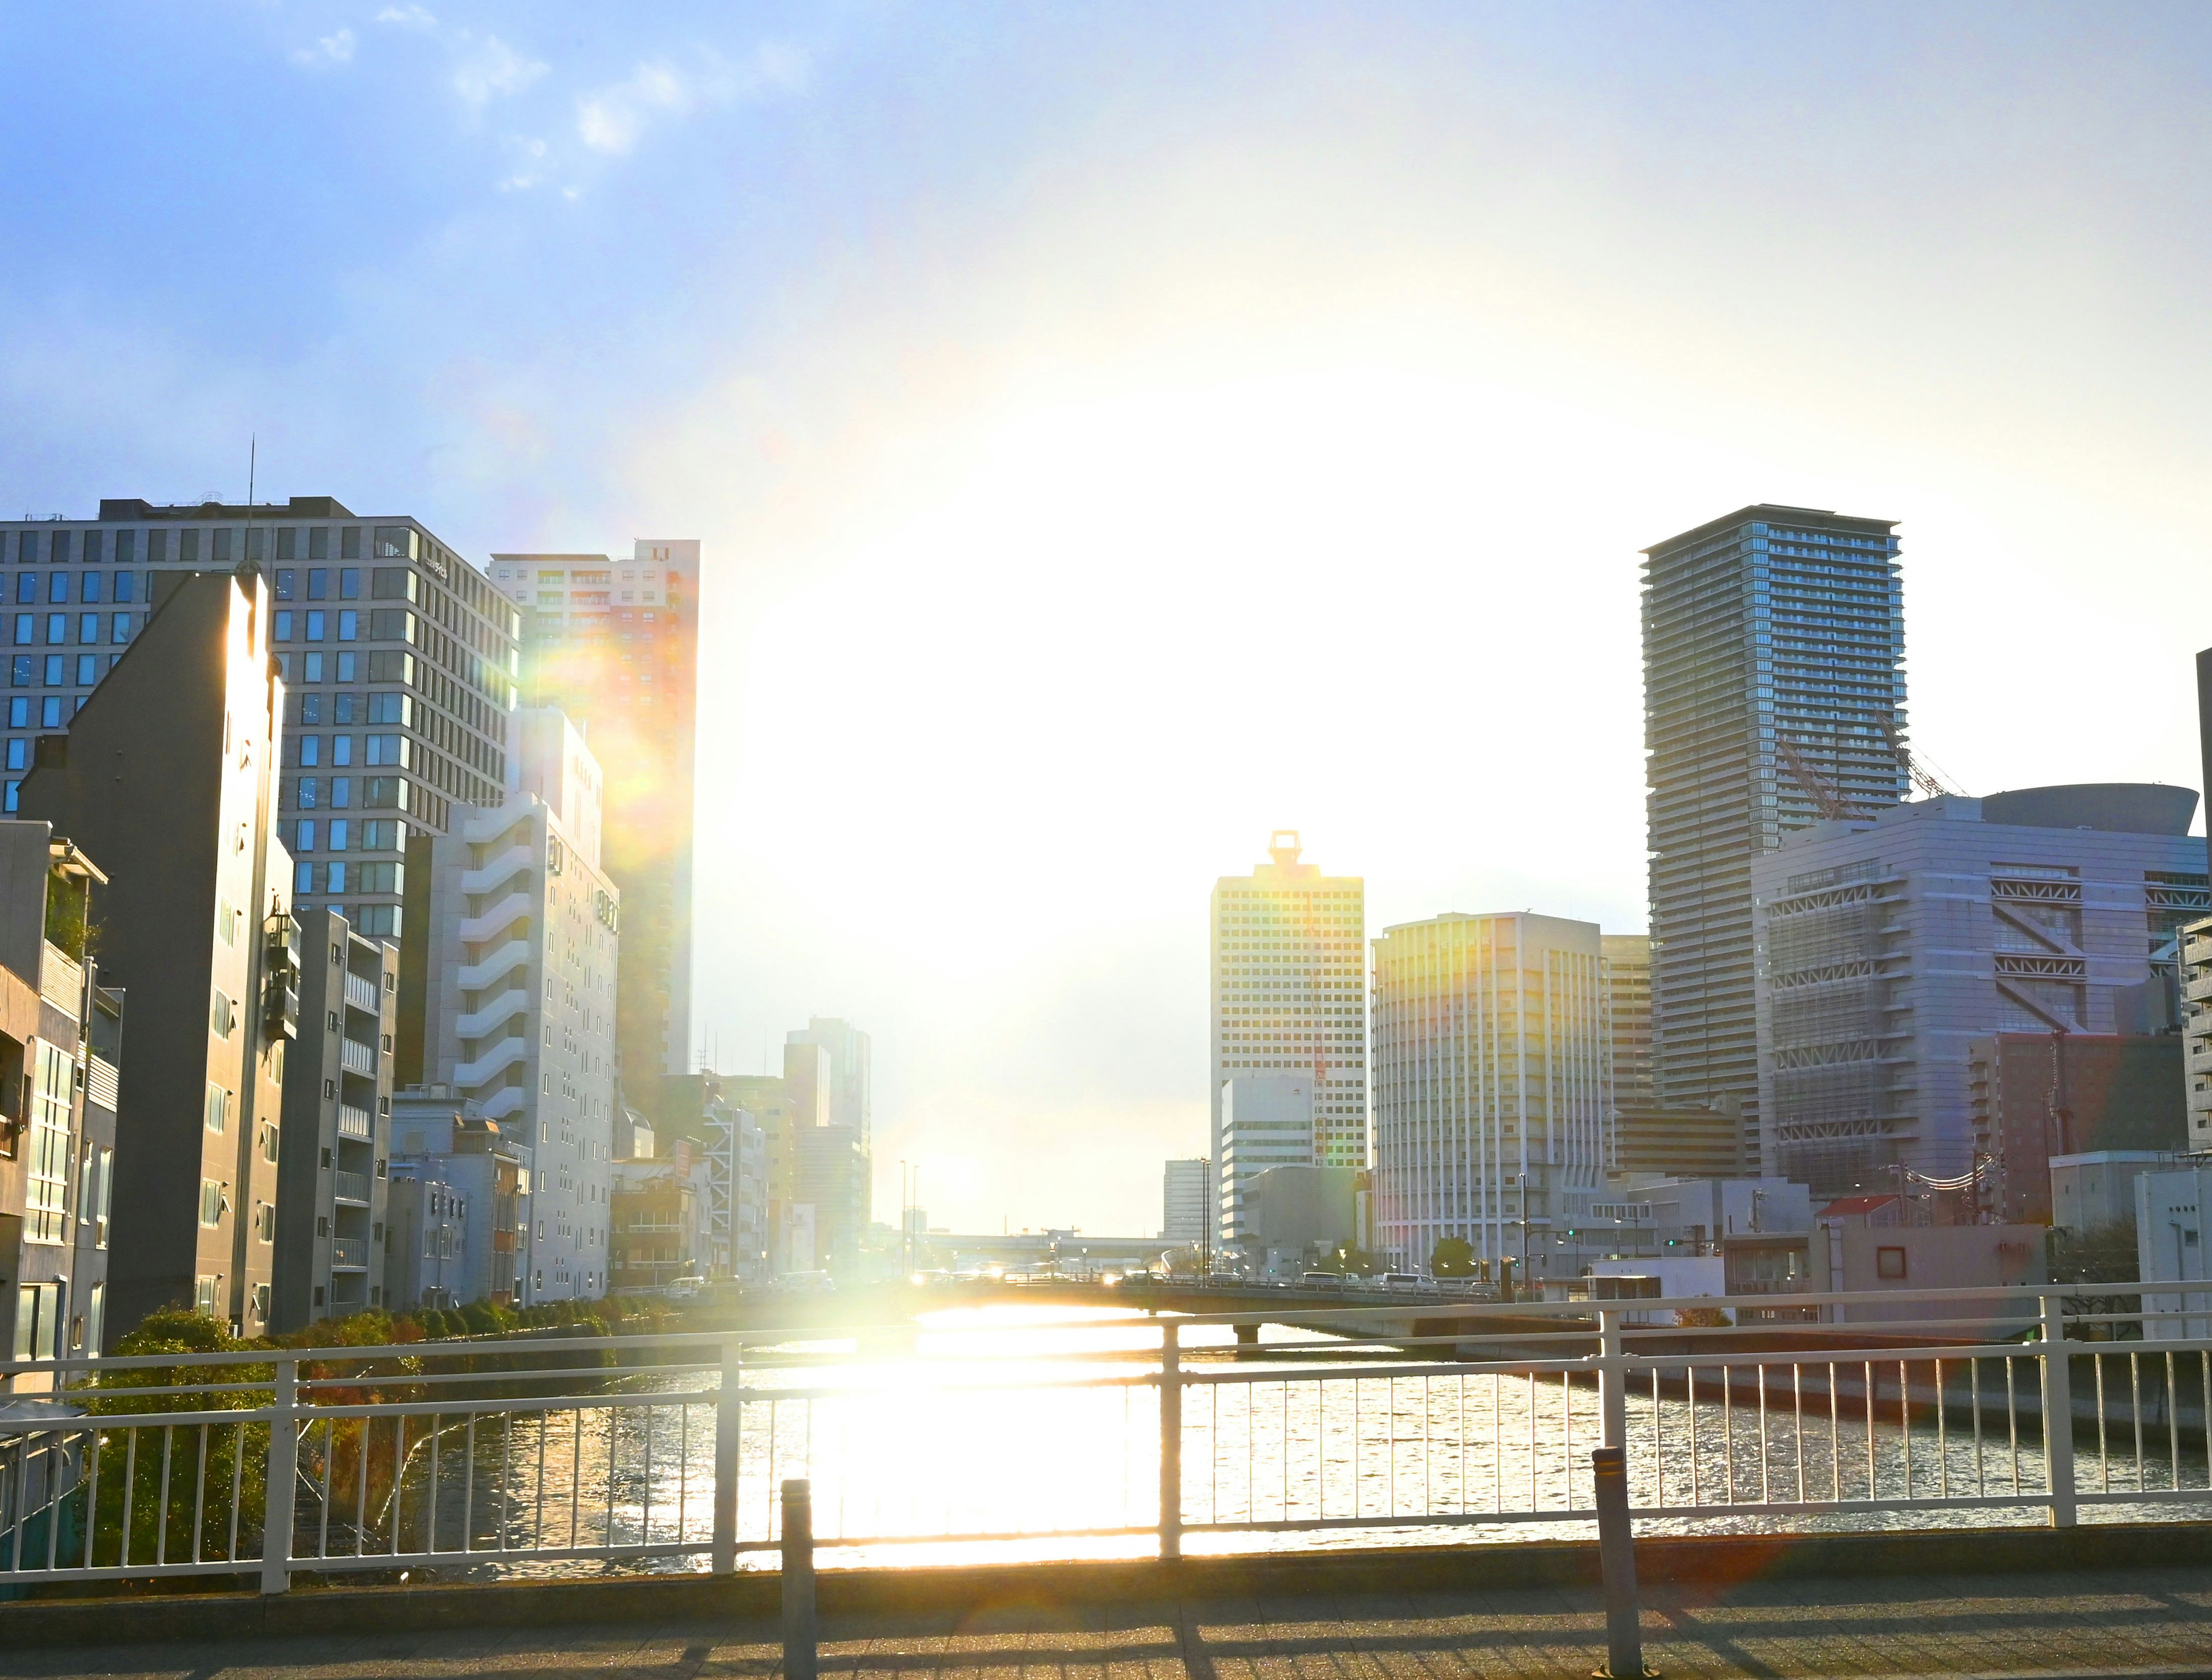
{"x":2133,"y":1622}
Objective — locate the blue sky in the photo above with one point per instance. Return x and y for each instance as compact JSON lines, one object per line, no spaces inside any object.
{"x":1119,"y":430}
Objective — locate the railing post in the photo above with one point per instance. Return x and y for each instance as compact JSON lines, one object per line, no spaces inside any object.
{"x":728,"y":1411}
{"x":1616,"y":1552}
{"x":1170,"y":1441}
{"x":2057,"y":1411}
{"x":799,"y":1630}
{"x":1612,"y":1381}
{"x":280,"y":1478}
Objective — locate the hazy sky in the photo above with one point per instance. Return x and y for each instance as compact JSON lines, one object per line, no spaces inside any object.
{"x":1118,"y":431}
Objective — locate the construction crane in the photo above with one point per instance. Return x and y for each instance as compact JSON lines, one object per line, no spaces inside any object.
{"x":1923,"y":779}
{"x":1824,"y":798}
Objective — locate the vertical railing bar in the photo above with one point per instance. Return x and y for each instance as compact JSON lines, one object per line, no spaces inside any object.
{"x":1835,"y":1435}
{"x":130,"y":1488}
{"x":2012,"y":1421}
{"x":1759,"y":1374}
{"x":2134,"y":1417}
{"x":506,"y":1518}
{"x":330,"y":1458}
{"x":398,"y":1482}
{"x":437,"y":1443}
{"x":1532,"y":1399}
{"x":469,"y":1485}
{"x":1690,"y":1387}
{"x":1904,"y":1420}
{"x":237,"y":1487}
{"x":683,"y":1474}
{"x":199,"y":1502}
{"x":1942,"y":1438}
{"x":645,"y":1519}
{"x":2173,"y":1424}
{"x":614,"y":1456}
{"x":1496,"y":1450}
{"x":1728,"y":1432}
{"x":1797,"y":1421}
{"x":92,"y":1494}
{"x":1427,"y":1496}
{"x":1974,"y":1398}
{"x":1873,"y":1485}
{"x":360,"y":1488}
{"x":161,"y":1508}
{"x":545,"y":1429}
{"x":2104,"y":1445}
{"x":1658,"y":1445}
{"x":1567,"y":1434}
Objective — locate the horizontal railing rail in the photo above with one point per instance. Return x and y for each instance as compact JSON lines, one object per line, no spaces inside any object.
{"x":666,"y":1449}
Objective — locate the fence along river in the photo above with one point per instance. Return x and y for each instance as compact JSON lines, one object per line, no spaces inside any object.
{"x":1016,"y":1433}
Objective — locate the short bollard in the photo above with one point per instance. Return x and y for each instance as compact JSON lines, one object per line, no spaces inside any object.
{"x":797,"y":1581}
{"x":1616,"y":1554}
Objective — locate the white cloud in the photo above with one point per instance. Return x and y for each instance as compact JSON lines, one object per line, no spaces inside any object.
{"x":611,"y":119}
{"x":330,"y":50}
{"x":491,"y":67}
{"x":409,"y":17}
{"x":530,"y":155}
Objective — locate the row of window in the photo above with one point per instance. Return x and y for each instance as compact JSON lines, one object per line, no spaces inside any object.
{"x":92,"y":628}
{"x":393,"y":542}
{"x":89,"y":586}
{"x":336,"y":792}
{"x":339,"y":876}
{"x":377,"y":834}
{"x":393,"y":749}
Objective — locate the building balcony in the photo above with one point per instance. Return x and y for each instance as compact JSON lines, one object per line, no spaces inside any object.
{"x":356,"y":1057}
{"x":492,"y":1061}
{"x":102,"y":1082}
{"x":354,"y":1121}
{"x":361,"y":993}
{"x":348,"y":1254}
{"x":497,"y":873}
{"x":61,"y":981}
{"x":351,"y":1187}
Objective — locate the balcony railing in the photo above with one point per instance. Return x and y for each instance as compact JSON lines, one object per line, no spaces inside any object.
{"x":361,"y":993}
{"x":356,"y":1057}
{"x":350,"y":1253}
{"x":354,"y":1122}
{"x":101,"y":1082}
{"x":351,"y":1186}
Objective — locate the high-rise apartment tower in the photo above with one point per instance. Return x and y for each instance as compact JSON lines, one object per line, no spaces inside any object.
{"x":1289,"y":993}
{"x":615,"y":645}
{"x":1773,"y":698}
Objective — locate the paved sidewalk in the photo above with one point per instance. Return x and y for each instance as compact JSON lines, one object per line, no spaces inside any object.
{"x":2142,"y":1623}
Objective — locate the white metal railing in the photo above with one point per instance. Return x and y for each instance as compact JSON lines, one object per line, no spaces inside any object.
{"x":1410,"y":1418}
{"x":101,"y":1082}
{"x":350,"y":1186}
{"x":61,"y":980}
{"x":356,"y":1057}
{"x":361,"y":992}
{"x":354,"y":1122}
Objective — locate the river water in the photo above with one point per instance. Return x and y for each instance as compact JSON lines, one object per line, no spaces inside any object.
{"x":1009,"y":1434}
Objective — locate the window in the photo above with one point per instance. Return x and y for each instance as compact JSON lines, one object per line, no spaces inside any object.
{"x":27,"y":630}
{"x":387,"y":750}
{"x":303,"y":877}
{"x":88,"y":670}
{"x":211,"y":1201}
{"x":95,"y":1317}
{"x":126,"y":586}
{"x":311,"y":750}
{"x":222,"y":1021}
{"x":288,"y":542}
{"x":318,"y":542}
{"x":209,"y":1289}
{"x":341,"y":708}
{"x":38,"y":1321}
{"x":19,"y":754}
{"x":348,"y":625}
{"x":50,"y":712}
{"x":121,"y":627}
{"x":57,"y":587}
{"x":388,"y":708}
{"x":341,"y":748}
{"x":46,"y":1195}
{"x":88,"y":629}
{"x":22,"y":673}
{"x":349,"y":583}
{"x":319,"y":584}
{"x":315,"y":625}
{"x":341,"y":792}
{"x":103,"y":1200}
{"x":338,"y":834}
{"x":309,"y":794}
{"x":89,"y":587}
{"x":349,"y":543}
{"x":269,"y":1142}
{"x":281,"y":627}
{"x":345,"y":667}
{"x":303,"y":834}
{"x":264,"y":1221}
{"x":338,"y":878}
{"x":19,"y":712}
{"x":57,"y":630}
{"x":394,"y":542}
{"x":1889,"y":1264}
{"x":54,"y":664}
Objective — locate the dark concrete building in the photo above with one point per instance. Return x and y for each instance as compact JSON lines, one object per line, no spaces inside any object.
{"x":1773,"y":698}
{"x":333,"y":1166}
{"x":166,"y":775}
{"x":2036,"y":1095}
